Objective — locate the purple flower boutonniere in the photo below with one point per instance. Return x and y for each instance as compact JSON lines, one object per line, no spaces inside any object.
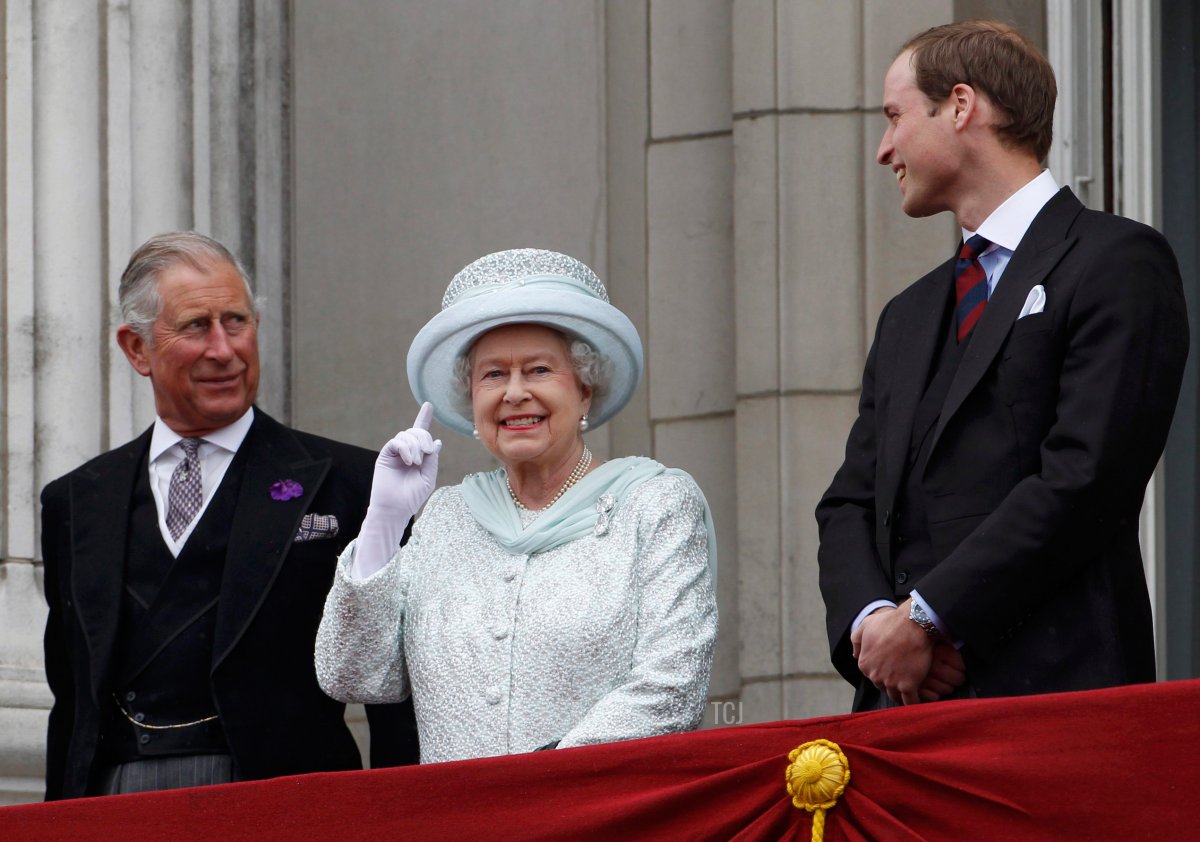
{"x":286,"y":489}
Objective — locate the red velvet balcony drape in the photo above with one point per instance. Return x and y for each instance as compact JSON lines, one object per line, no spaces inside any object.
{"x":1110,"y":764}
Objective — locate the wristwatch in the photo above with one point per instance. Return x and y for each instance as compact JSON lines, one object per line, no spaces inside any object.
{"x":919,"y":616}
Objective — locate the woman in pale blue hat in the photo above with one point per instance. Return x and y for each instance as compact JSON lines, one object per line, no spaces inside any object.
{"x":557,"y":601}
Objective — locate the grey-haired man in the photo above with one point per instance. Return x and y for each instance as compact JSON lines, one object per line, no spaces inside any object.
{"x":187,"y":569}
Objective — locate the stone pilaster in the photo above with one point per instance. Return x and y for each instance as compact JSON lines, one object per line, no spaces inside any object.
{"x":820,"y":245}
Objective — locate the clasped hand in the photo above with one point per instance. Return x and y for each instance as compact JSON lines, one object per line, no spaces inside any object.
{"x":903,"y":661}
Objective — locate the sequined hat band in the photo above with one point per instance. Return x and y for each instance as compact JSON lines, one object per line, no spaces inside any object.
{"x":559,"y":282}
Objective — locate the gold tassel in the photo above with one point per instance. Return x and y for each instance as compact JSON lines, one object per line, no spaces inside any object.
{"x":816,"y":777}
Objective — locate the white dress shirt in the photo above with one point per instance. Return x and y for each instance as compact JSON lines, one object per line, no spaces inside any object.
{"x":216,"y":451}
{"x":1005,"y":227}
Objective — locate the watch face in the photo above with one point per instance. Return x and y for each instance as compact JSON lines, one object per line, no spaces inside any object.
{"x":917,"y":614}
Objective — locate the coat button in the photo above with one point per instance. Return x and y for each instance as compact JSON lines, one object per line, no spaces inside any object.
{"x":509,"y":575}
{"x":130,"y":696}
{"x":902,"y":577}
{"x":499,"y":634}
{"x":493,"y":695}
{"x":140,"y":717}
{"x":145,"y":738}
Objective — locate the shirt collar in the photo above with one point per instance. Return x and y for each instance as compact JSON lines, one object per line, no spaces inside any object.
{"x":1007,"y":224}
{"x":228,"y":438}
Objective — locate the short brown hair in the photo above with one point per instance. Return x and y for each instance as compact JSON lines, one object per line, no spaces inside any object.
{"x":999,"y":62}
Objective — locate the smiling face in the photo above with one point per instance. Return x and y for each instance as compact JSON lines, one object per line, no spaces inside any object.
{"x":203,"y":361}
{"x":920,"y":147}
{"x":526,"y":397}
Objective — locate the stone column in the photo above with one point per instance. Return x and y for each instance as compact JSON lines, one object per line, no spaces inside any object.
{"x":689,"y":279}
{"x":670,"y":218}
{"x":121,"y":119}
{"x":820,"y":245}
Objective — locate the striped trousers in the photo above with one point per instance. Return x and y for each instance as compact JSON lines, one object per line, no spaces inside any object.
{"x":168,"y":772}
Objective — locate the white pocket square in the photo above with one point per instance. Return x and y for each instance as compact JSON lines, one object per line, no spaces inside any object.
{"x":1035,"y":302}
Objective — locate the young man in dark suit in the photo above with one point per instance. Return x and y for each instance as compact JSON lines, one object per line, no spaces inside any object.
{"x":981,"y":536}
{"x":186,"y":571}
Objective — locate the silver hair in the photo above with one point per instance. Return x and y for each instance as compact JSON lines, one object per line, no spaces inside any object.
{"x":591,"y":367}
{"x":141,"y":303}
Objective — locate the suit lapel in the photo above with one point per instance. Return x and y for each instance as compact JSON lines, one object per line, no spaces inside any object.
{"x":1040,"y":250}
{"x":263,"y":527}
{"x":921,"y":326}
{"x":99,"y":525}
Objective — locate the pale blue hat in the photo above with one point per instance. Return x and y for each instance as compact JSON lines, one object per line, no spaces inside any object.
{"x":523,"y":286}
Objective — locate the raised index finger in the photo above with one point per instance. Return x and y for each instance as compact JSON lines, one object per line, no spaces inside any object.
{"x":424,"y":416}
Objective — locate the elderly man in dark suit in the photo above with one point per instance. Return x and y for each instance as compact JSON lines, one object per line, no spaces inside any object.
{"x":186,"y":571}
{"x":981,"y":536}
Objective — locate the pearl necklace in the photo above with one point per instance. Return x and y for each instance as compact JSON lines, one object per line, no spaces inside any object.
{"x":581,"y":468}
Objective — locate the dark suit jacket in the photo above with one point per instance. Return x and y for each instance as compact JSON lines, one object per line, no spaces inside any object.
{"x":276,"y":719}
{"x":1045,"y":442}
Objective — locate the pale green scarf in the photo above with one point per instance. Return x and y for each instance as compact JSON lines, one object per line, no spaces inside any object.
{"x":573,"y":515}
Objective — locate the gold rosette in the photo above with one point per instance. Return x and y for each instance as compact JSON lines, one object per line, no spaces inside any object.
{"x":816,"y":777}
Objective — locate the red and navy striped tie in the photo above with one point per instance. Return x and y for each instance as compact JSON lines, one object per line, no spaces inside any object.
{"x":970,"y":286}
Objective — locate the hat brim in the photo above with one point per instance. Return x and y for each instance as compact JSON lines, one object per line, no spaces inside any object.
{"x":452,"y":332}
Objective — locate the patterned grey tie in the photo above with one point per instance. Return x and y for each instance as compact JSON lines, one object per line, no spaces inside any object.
{"x":187,"y":489}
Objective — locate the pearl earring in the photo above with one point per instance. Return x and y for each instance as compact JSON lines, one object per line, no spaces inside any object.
{"x":583,"y":424}
{"x":475,"y":433}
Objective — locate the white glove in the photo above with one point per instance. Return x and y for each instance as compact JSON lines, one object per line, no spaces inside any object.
{"x":405,"y":476}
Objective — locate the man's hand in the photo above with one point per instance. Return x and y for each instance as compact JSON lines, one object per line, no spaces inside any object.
{"x":894,"y":653}
{"x":947,"y":674}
